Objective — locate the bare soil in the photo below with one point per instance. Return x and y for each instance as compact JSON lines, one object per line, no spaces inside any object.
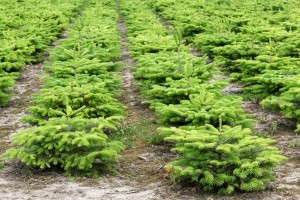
{"x":287,"y":182}
{"x":28,"y":84}
{"x":233,"y":88}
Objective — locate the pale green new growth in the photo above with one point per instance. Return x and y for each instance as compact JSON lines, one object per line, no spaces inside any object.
{"x":225,"y":160}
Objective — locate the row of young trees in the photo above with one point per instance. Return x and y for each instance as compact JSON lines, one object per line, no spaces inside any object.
{"x":27,"y":27}
{"x":210,"y":131}
{"x":77,"y":106}
{"x":257,"y":42}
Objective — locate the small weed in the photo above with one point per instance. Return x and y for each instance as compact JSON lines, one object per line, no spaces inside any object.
{"x":144,"y":131}
{"x":16,"y":111}
{"x":1,"y":165}
{"x":155,"y":139}
{"x":273,"y":127}
{"x":295,"y":143}
{"x":255,"y":98}
{"x":262,"y":134}
{"x":262,"y":119}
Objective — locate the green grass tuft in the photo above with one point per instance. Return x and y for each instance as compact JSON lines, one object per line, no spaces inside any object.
{"x":143,"y":131}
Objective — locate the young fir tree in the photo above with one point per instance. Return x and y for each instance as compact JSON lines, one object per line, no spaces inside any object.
{"x":173,"y":91}
{"x":226,"y":160}
{"x":97,"y":102}
{"x":203,"y":108}
{"x":109,"y":81}
{"x":70,"y":142}
{"x":154,"y":69}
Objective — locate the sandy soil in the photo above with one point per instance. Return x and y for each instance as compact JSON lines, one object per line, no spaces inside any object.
{"x":287,"y":182}
{"x":28,"y":84}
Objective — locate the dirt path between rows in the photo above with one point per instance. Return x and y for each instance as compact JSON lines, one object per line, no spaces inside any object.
{"x":28,"y":83}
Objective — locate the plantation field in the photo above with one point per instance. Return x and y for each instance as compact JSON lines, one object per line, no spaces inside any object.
{"x":159,"y":99}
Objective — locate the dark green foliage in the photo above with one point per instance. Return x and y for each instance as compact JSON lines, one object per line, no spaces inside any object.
{"x":225,"y":161}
